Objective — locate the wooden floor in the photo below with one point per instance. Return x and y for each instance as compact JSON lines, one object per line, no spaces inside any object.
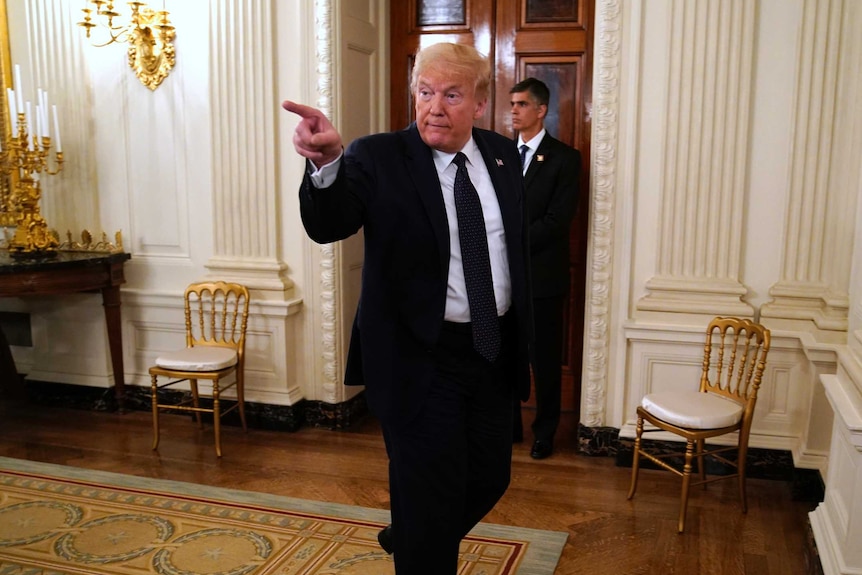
{"x":580,"y":495}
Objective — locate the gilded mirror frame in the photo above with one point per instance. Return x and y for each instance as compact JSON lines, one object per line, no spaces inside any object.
{"x":7,"y":218}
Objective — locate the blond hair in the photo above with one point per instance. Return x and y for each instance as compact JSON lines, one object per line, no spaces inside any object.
{"x":457,"y":60}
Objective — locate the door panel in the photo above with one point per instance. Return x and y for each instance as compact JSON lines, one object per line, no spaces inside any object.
{"x":550,"y":40}
{"x":547,"y":39}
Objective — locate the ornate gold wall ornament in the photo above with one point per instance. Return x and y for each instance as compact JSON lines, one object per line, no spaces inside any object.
{"x":88,"y":245}
{"x":149,"y":34}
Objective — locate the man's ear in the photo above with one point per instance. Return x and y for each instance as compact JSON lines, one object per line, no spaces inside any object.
{"x":543,"y":111}
{"x":480,"y":109}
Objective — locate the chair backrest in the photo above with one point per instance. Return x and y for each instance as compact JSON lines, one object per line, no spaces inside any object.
{"x":216,"y":314}
{"x":734,"y":359}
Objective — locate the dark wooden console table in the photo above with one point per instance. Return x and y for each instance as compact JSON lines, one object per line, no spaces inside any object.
{"x":67,"y":272}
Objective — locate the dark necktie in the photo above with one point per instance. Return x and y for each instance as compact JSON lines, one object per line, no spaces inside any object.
{"x":477,"y":264}
{"x":524,"y":148}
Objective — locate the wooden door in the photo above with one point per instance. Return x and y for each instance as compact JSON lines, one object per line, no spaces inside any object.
{"x":547,"y":39}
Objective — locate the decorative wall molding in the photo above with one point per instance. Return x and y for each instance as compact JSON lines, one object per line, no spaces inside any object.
{"x":244,"y":145}
{"x":329,"y":254}
{"x":153,"y":323}
{"x":605,"y":141}
{"x":705,"y":160}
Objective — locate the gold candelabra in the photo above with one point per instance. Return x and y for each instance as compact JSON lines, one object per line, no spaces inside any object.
{"x":25,"y":155}
{"x":149,"y":34}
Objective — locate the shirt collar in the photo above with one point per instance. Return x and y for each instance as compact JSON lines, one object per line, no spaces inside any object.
{"x":532,"y":143}
{"x":470,"y":149}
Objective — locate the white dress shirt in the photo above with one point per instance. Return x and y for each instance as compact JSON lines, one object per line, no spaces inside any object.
{"x":532,"y":146}
{"x":457,"y":308}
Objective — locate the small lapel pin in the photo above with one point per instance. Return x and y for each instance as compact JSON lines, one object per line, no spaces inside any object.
{"x":540,"y":158}
{"x":499,"y":162}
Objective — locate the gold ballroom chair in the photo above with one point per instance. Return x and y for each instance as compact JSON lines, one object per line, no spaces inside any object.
{"x":734,"y":357}
{"x":216,"y":321}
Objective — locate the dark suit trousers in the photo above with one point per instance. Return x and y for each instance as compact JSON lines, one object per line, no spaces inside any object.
{"x":546,"y":360}
{"x":450,"y":465}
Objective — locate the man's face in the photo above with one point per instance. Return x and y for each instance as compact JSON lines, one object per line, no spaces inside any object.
{"x":526,"y":114}
{"x":445,"y":110}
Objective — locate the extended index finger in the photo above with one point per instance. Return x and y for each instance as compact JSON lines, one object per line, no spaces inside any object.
{"x":301,"y":109}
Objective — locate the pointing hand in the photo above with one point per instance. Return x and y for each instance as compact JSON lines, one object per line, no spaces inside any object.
{"x":315,"y":138}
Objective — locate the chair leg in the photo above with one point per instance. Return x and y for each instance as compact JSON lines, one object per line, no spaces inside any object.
{"x":240,"y":397}
{"x":217,"y":417}
{"x":686,"y":482}
{"x":636,"y":458}
{"x":740,"y":469}
{"x":701,"y":463}
{"x":155,"y":399}
{"x":193,"y":384}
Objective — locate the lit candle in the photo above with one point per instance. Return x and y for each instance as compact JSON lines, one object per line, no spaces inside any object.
{"x":28,"y":117}
{"x":45,"y":131}
{"x":37,"y":121}
{"x":59,"y":147}
{"x":13,"y":112}
{"x":19,"y":86}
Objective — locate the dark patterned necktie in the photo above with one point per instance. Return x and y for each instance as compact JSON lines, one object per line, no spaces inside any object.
{"x":524,"y":148}
{"x":477,"y":264}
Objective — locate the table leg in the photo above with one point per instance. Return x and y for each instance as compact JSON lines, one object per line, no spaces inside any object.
{"x":10,"y":382}
{"x":111,"y":302}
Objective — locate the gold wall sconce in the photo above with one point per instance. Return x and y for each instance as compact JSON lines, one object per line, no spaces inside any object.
{"x":149,"y":34}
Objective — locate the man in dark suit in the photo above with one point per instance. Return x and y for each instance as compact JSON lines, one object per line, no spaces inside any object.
{"x":551,"y":176}
{"x":440,"y":339}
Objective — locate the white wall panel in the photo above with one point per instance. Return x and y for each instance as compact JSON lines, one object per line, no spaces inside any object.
{"x":154,"y":323}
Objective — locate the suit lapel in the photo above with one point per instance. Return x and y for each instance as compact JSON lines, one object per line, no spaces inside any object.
{"x":506,"y":192}
{"x":420,"y":166}
{"x":538,"y":159}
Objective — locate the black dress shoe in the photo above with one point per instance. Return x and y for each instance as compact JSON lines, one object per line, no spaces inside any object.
{"x":541,"y":449}
{"x":385,"y":539}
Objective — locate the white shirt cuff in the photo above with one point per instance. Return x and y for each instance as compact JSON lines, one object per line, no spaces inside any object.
{"x":323,"y":176}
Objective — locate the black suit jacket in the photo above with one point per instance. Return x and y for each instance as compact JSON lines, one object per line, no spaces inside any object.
{"x":552,"y":183}
{"x":388,"y":185}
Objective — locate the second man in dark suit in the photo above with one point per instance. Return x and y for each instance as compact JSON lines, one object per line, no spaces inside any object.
{"x":551,"y":177}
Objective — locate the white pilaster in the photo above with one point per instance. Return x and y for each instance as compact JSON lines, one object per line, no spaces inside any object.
{"x":705,"y":160}
{"x":817,"y":255}
{"x":244,"y":104}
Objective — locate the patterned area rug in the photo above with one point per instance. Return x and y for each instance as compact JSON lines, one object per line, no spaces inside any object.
{"x":57,"y":520}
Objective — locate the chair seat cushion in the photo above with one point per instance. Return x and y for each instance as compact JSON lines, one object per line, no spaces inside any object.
{"x":693,"y":409}
{"x":201,"y":358}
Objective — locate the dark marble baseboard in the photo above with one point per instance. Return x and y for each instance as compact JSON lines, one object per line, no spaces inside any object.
{"x":806,"y":484}
{"x":598,"y":441}
{"x":258,"y":415}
